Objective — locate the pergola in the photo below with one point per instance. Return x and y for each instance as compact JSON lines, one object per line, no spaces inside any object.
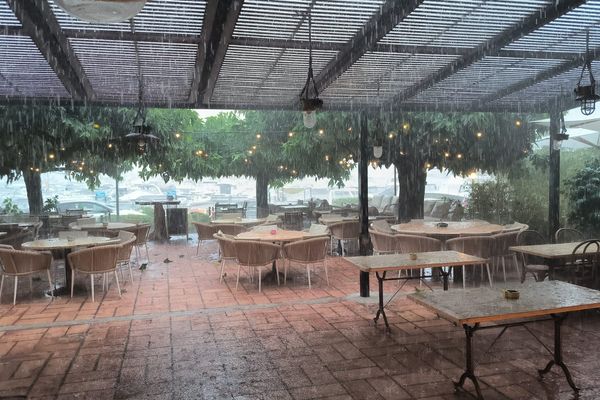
{"x":369,"y":55}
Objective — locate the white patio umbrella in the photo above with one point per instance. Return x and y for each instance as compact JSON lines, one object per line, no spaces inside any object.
{"x":580,"y":128}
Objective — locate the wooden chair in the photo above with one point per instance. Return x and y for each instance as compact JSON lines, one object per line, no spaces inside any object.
{"x":226,"y":250}
{"x":256,"y":255}
{"x":478,"y":246}
{"x":99,"y":260}
{"x":307,"y":252}
{"x":533,"y":265}
{"x":344,"y":231}
{"x":567,"y":235}
{"x":585,"y":260}
{"x":18,"y":263}
{"x":205,"y":232}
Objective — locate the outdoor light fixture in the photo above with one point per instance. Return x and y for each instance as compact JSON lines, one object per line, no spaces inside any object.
{"x":559,"y":137}
{"x":377,"y":151}
{"x":310,"y":104}
{"x":140,"y":133}
{"x":587,"y":94}
{"x":102,"y":11}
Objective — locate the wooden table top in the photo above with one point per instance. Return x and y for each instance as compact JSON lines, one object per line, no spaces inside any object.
{"x":56,"y":244}
{"x":484,"y":304}
{"x":243,"y":221}
{"x":281,"y":235}
{"x":99,"y":226}
{"x":394,"y":262}
{"x":454,"y":228}
{"x":158,"y":202}
{"x":299,"y":207}
{"x":548,"y":251}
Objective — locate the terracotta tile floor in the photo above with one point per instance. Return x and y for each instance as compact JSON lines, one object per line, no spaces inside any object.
{"x":177,"y":333}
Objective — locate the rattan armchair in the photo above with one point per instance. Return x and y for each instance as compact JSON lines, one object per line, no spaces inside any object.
{"x":18,"y":263}
{"x":344,"y":231}
{"x":99,"y":260}
{"x":226,"y":250}
{"x":384,"y":243}
{"x":256,"y":255}
{"x":205,"y":232}
{"x":230,"y":229}
{"x":307,"y":252}
{"x":126,"y":242}
{"x":478,"y":246}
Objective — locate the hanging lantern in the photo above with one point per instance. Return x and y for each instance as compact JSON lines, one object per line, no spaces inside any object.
{"x":102,"y":11}
{"x":586,"y":94}
{"x":310,"y":104}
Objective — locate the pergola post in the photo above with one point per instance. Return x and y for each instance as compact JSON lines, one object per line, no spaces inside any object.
{"x":363,"y":200}
{"x":554,"y":175}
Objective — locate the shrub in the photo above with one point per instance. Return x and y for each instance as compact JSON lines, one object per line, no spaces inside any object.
{"x":584,"y":197}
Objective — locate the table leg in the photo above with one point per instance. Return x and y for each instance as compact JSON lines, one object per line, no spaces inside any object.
{"x":445,"y":274}
{"x":64,"y":290}
{"x":381,"y":310}
{"x":469,"y":371}
{"x":558,"y":360}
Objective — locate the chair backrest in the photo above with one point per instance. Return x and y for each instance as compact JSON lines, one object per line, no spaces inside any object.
{"x":566,"y":235}
{"x":318,"y":229}
{"x":17,"y":262}
{"x":504,"y":241}
{"x":205,"y":231}
{"x":478,"y":246}
{"x":95,"y":259}
{"x":417,"y":244}
{"x":72,"y":234}
{"x":381,"y":225}
{"x":86,"y":221}
{"x":587,"y":253}
{"x":515,"y":226}
{"x":307,"y":251}
{"x":263,"y":228}
{"x":530,"y":237}
{"x":226,"y":244}
{"x":384,"y":242}
{"x":254,"y":254}
{"x":141,"y":234}
{"x":230,"y":229}
{"x":126,"y":243}
{"x":345,"y":230}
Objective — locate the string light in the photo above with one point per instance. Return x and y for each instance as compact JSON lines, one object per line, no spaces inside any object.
{"x":326,"y":157}
{"x":254,"y":147}
{"x":37,"y":170}
{"x":518,"y":123}
{"x":446,"y":155}
{"x":321,"y":132}
{"x":406,"y":126}
{"x":350,"y":130}
{"x":459,"y":155}
{"x":479,"y":135}
{"x":177,"y":135}
{"x":199,"y":152}
{"x":427,"y":165}
{"x":290,"y":134}
{"x":250,"y":152}
{"x":110,"y":145}
{"x":51,"y":156}
{"x":391,"y":135}
{"x":96,"y":125}
{"x":258,"y":136}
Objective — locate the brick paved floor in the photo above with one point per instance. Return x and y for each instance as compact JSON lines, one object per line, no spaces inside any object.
{"x":178,"y":334}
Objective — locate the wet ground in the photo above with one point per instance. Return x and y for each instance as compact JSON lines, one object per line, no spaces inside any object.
{"x":177,"y":333}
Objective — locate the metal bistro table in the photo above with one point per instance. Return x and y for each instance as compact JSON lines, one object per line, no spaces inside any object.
{"x":66,"y":246}
{"x":539,"y":301}
{"x":555,"y":254}
{"x":402,"y":262}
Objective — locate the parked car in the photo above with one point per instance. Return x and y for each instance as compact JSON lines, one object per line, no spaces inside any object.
{"x":92,"y":208}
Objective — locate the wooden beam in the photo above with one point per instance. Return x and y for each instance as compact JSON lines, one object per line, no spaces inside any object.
{"x":492,"y":46}
{"x":40,"y":23}
{"x":391,"y":13}
{"x":216,"y":37}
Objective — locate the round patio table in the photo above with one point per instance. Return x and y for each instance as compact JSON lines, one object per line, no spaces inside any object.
{"x":99,"y":226}
{"x":454,"y":228}
{"x":243,"y":221}
{"x":66,"y":246}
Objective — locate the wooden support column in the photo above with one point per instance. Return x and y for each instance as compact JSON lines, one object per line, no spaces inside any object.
{"x":554,"y":175}
{"x":363,"y":200}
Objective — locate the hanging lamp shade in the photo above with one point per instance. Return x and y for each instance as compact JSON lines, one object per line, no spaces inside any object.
{"x":102,"y":11}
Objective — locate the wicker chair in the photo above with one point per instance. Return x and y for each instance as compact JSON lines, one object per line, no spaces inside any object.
{"x":383,"y":243}
{"x":533,"y":265}
{"x":478,"y":246}
{"x":416,"y":244}
{"x":230,"y":229}
{"x":205,"y":232}
{"x":307,"y":252}
{"x":95,"y":260}
{"x":344,"y":231}
{"x":227,"y":250}
{"x":126,"y":242}
{"x":501,"y":250}
{"x":141,"y":233}
{"x":381,"y":225}
{"x":256,"y":255}
{"x":317,"y":230}
{"x":18,"y":263}
{"x":567,"y":235}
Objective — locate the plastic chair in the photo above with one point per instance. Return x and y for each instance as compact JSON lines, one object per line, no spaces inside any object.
{"x":532,"y":264}
{"x":94,"y":260}
{"x":205,"y":232}
{"x":307,"y":252}
{"x":567,"y":235}
{"x":344,"y":231}
{"x":478,"y":246}
{"x":18,"y":263}
{"x":256,"y":255}
{"x":227,"y":250}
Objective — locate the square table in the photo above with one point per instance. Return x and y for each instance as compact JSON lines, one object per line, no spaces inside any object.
{"x":555,"y":254}
{"x":403,"y":262}
{"x":539,"y":301}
